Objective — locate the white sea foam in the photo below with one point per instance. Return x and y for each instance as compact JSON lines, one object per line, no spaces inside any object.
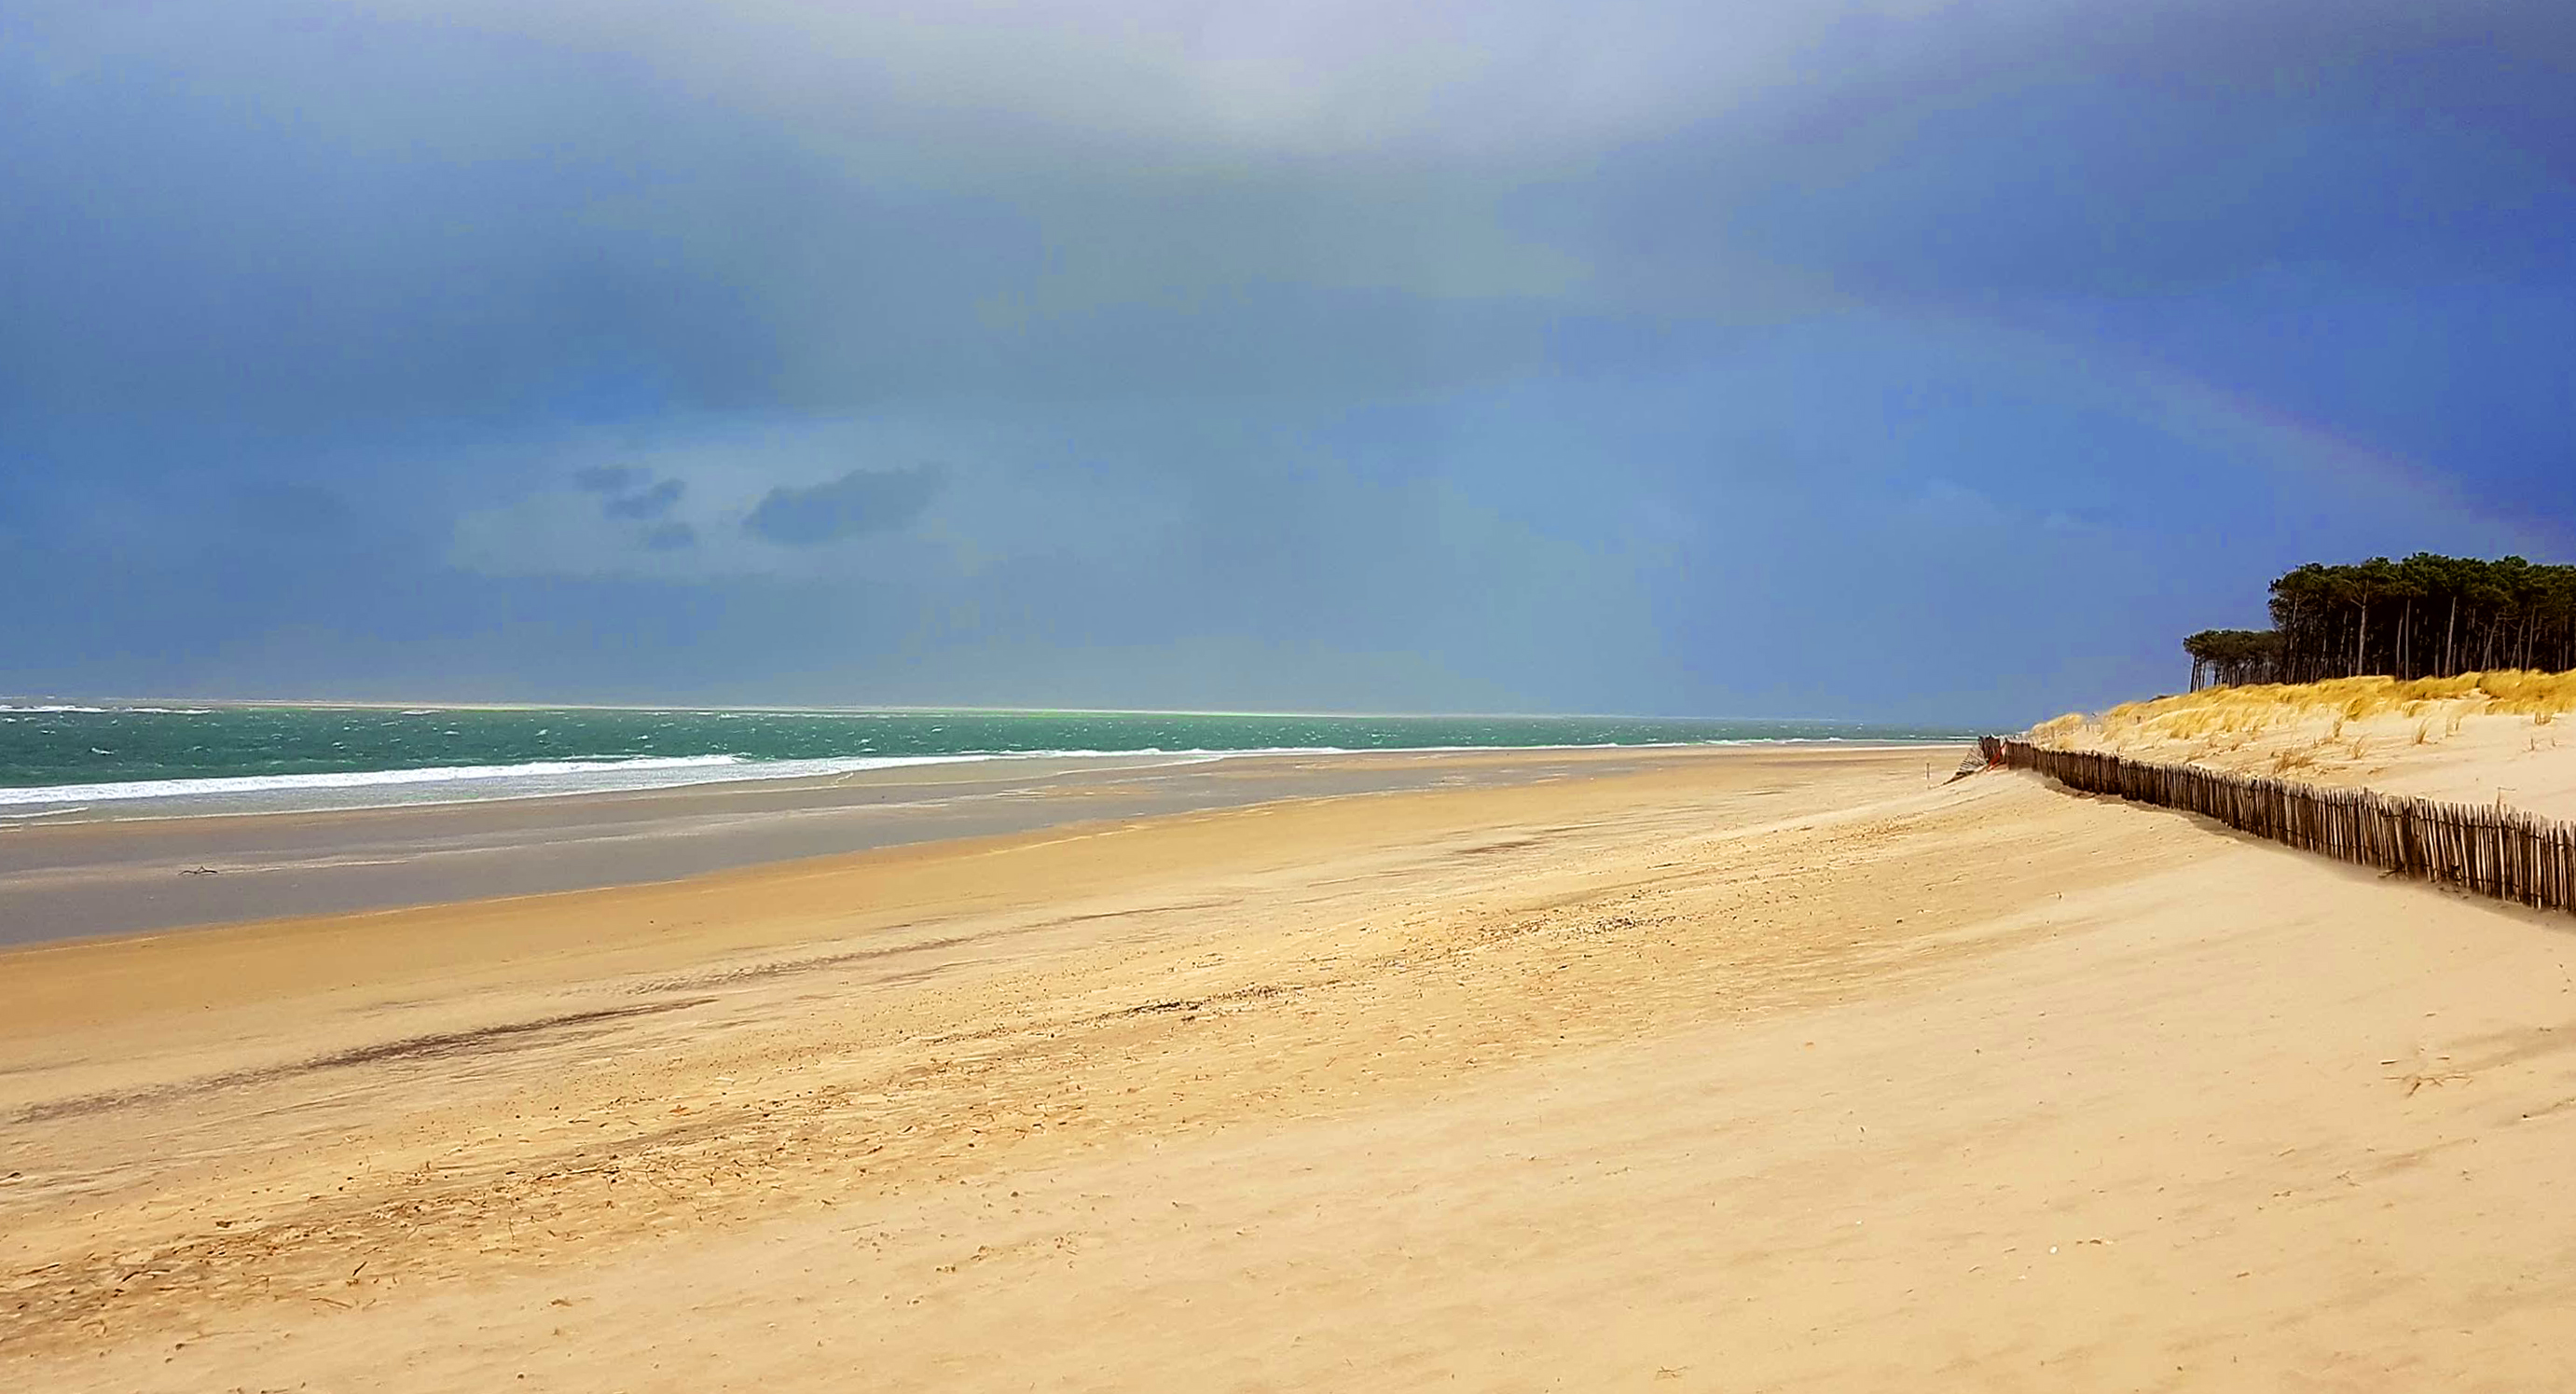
{"x":347,"y":779}
{"x":537,"y":779}
{"x":58,"y":708}
{"x":467,"y":783}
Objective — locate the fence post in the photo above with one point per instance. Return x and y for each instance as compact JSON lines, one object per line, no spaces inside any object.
{"x":2507,"y":854}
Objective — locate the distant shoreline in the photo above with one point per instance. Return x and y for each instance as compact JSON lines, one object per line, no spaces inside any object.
{"x":24,"y":702}
{"x":66,"y":878}
{"x":160,"y":760}
{"x":130,"y":804}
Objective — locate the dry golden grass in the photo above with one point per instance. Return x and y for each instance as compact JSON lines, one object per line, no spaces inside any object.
{"x":2228,"y":717}
{"x":2050,"y":732}
{"x":2477,"y":738}
{"x":2292,"y":761}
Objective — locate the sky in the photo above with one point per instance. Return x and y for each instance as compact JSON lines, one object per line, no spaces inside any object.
{"x":1901,"y":361}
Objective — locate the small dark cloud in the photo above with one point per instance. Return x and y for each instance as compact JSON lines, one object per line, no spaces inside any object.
{"x":652,"y":503}
{"x":290,"y":508}
{"x":609,"y":479}
{"x":670,"y":537}
{"x":860,"y":502}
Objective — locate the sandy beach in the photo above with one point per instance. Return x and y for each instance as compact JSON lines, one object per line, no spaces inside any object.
{"x":1730,"y":1070}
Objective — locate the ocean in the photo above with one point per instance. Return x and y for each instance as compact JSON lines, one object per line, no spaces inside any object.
{"x":62,"y":759}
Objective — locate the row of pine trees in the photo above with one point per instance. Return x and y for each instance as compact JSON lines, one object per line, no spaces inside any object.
{"x":2426,"y":616}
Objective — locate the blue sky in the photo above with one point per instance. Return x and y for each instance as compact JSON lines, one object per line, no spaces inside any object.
{"x":1903,"y":361}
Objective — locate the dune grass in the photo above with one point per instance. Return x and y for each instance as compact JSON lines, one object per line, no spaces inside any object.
{"x":2234,"y":716}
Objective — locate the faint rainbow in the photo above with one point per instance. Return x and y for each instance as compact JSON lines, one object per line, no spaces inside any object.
{"x":2264,"y":434}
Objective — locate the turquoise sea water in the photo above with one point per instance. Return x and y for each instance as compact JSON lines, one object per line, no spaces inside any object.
{"x":55,"y":757}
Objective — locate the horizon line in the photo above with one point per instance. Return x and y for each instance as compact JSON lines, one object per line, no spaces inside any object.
{"x":384,"y":704}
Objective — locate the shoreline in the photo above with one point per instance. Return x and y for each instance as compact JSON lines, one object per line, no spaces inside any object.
{"x":84,"y":878}
{"x":175,"y":794}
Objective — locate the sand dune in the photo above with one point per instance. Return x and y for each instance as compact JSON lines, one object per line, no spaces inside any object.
{"x":1751,"y":1070}
{"x":2440,"y":738}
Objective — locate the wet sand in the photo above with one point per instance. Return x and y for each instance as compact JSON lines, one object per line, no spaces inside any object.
{"x":1746,"y":1070}
{"x":71,"y":877}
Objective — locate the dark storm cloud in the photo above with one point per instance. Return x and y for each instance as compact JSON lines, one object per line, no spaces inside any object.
{"x":648,"y":503}
{"x":1338,"y":318}
{"x":310,"y":226}
{"x":857,"y":503}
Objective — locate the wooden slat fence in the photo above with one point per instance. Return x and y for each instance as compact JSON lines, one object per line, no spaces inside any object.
{"x":2502,"y":852}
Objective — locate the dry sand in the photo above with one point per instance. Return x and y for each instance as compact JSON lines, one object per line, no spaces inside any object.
{"x":1745,"y":1071}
